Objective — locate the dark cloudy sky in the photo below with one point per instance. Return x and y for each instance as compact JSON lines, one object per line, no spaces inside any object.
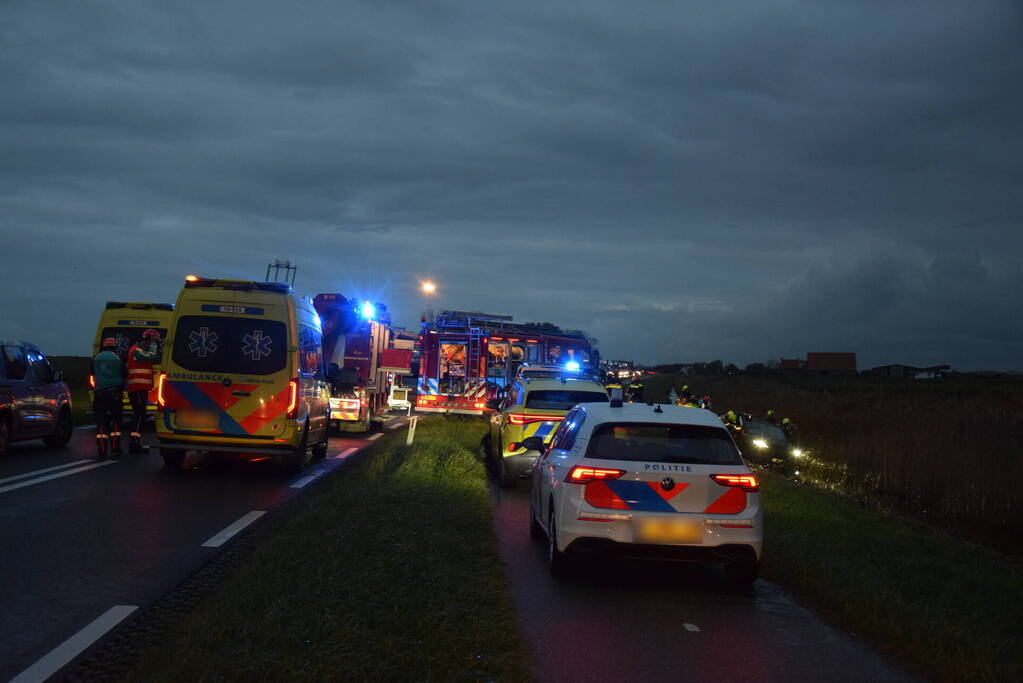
{"x":685,"y":181}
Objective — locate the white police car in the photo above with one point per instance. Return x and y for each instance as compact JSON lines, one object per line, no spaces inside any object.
{"x":655,"y":481}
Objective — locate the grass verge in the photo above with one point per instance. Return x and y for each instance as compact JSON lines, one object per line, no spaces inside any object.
{"x":949,"y":607}
{"x":387,"y":572}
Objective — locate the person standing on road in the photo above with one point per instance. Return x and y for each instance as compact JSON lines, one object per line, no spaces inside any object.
{"x":772,"y":418}
{"x":791,"y":433}
{"x":108,"y":375}
{"x":141,"y":357}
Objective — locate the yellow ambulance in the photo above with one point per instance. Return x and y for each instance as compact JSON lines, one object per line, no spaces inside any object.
{"x":243,"y":373}
{"x":125,"y":322}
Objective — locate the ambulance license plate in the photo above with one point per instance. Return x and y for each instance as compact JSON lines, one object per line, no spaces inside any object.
{"x":188,"y":418}
{"x":667,"y":531}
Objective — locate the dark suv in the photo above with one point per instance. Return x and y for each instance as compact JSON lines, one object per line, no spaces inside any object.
{"x":34,"y":401}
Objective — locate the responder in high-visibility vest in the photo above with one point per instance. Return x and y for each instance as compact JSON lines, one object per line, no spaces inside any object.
{"x":141,"y":357}
{"x":772,"y":417}
{"x":108,"y":376}
{"x":636,"y":392}
{"x":686,"y":394}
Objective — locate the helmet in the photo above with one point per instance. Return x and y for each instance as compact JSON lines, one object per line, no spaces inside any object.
{"x":110,"y":342}
{"x":731,"y":415}
{"x":151,"y":334}
{"x":770,"y":413}
{"x":684,"y":387}
{"x":786,"y":421}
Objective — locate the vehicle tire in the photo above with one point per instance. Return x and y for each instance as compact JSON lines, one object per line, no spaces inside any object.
{"x":507,"y":479}
{"x":172,"y":459}
{"x":5,"y":434}
{"x":62,"y":432}
{"x":559,"y":564}
{"x":300,"y":457}
{"x":320,"y":449}
{"x":535,"y":530}
{"x":742,"y":574}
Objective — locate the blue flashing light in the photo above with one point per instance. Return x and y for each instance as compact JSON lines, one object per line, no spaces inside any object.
{"x":368,"y":311}
{"x":572,"y":366}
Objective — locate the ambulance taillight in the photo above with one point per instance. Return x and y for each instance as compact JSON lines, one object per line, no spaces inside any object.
{"x":292,"y":398}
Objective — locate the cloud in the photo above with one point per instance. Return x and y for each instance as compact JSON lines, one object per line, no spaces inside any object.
{"x":686,"y":182}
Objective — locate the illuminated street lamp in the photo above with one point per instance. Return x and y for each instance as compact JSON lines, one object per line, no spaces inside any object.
{"x":428,"y":287}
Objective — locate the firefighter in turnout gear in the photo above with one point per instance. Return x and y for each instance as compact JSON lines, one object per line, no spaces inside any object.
{"x":108,"y":375}
{"x":141,"y":357}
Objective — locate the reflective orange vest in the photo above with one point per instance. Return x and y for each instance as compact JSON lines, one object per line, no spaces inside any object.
{"x":140,"y":369}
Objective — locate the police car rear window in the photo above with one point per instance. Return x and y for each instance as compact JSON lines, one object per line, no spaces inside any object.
{"x":249,"y":346}
{"x":126,"y":336}
{"x":650,"y":442}
{"x":562,"y":399}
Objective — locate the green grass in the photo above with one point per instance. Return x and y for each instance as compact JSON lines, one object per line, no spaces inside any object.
{"x":949,"y":608}
{"x":76,"y":374}
{"x":389,"y":571}
{"x":946,"y":449}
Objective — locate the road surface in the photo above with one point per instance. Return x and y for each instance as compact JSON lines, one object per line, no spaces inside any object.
{"x":85,"y":540}
{"x":646,"y":622}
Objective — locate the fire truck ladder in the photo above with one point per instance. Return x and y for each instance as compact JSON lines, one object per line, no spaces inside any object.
{"x":472,"y":356}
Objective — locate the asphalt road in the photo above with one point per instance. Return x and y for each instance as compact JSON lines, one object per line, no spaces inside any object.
{"x":79,"y":536}
{"x":664,"y":622}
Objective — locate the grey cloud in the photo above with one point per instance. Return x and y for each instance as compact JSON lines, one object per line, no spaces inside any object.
{"x":685,"y":182}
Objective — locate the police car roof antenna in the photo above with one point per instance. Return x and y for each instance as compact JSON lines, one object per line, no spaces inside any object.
{"x":278,"y":265}
{"x":657,"y":408}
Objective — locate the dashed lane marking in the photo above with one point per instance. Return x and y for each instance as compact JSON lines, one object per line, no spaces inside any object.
{"x":75,"y":645}
{"x":345,"y":453}
{"x":305,"y":480}
{"x":44,"y":470}
{"x":375,"y":436}
{"x":691,"y":627}
{"x":57,"y":475}
{"x":220,"y":539}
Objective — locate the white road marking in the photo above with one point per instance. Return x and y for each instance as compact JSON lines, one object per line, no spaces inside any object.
{"x":345,"y":453}
{"x":691,"y":627}
{"x":58,"y":475}
{"x":305,"y":480}
{"x":375,"y":436}
{"x":222,"y":538}
{"x":44,"y":470}
{"x":74,"y":646}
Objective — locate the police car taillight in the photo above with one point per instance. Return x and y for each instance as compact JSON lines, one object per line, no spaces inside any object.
{"x":581,"y":475}
{"x":747,"y":482}
{"x":159,"y":389}
{"x":520,"y":419}
{"x":92,"y":381}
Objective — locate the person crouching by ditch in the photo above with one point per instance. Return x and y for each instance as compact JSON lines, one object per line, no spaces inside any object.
{"x":141,"y":357}
{"x":108,"y":374}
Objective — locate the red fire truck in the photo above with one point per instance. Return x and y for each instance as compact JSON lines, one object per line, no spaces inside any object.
{"x":360,"y":361}
{"x":466,"y":358}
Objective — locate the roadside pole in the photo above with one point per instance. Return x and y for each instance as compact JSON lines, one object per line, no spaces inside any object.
{"x":413,"y":421}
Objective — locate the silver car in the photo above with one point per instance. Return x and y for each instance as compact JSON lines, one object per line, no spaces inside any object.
{"x":35,"y":403}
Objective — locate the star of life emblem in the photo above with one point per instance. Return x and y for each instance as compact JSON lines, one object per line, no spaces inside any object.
{"x":256,"y":345}
{"x":202,"y":342}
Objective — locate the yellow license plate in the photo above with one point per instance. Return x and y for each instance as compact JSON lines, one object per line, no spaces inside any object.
{"x":196,"y":419}
{"x":668,"y":531}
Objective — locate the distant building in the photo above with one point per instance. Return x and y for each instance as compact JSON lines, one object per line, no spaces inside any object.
{"x":910,"y":371}
{"x":821,"y":363}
